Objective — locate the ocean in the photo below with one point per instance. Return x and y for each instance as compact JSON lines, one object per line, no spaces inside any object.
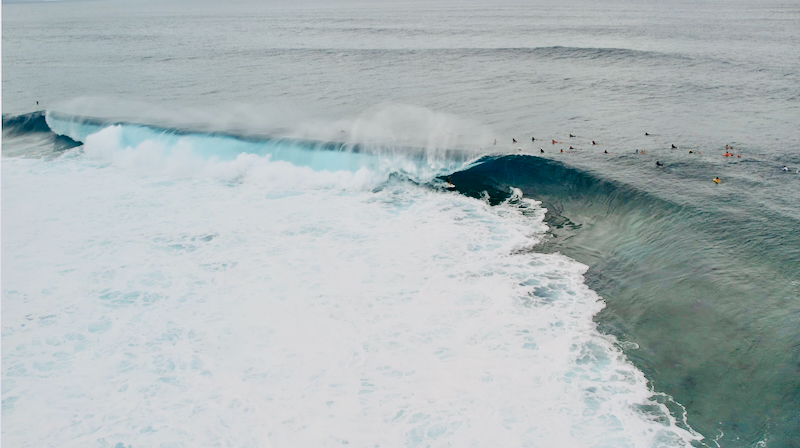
{"x":419,"y":224}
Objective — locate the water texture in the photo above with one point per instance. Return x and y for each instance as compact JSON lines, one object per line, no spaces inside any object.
{"x":230,"y":226}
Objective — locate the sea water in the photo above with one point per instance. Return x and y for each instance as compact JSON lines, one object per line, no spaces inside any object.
{"x":230,"y":229}
{"x":156,"y":301}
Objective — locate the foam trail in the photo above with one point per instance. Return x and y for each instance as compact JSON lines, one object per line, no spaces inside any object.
{"x":153,"y":309}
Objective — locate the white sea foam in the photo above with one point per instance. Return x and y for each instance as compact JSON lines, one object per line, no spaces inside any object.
{"x":177,"y":157}
{"x":156,"y":298}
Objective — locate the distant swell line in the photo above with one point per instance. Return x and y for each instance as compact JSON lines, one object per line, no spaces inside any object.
{"x":552,"y":52}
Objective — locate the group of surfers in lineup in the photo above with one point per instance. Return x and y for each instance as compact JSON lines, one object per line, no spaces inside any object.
{"x":716,"y":180}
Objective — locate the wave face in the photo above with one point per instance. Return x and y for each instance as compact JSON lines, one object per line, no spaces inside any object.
{"x":33,"y":122}
{"x":168,"y":291}
{"x":33,"y":128}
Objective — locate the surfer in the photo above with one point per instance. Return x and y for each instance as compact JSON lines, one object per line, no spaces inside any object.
{"x":449,"y":185}
{"x":513,"y":140}
{"x":37,"y":103}
{"x":571,"y":147}
{"x":554,"y":142}
{"x":674,"y":147}
{"x":658,"y":163}
{"x":563,"y":151}
{"x":691,"y":152}
{"x":646,"y":134}
{"x":785,"y":168}
{"x":593,"y":142}
{"x":727,"y":154}
{"x":605,"y":152}
{"x":533,"y":139}
{"x":570,"y":136}
{"x":716,"y":180}
{"x":637,"y":151}
{"x":541,"y":150}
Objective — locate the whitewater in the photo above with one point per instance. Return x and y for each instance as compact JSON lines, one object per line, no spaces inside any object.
{"x":159,"y":295}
